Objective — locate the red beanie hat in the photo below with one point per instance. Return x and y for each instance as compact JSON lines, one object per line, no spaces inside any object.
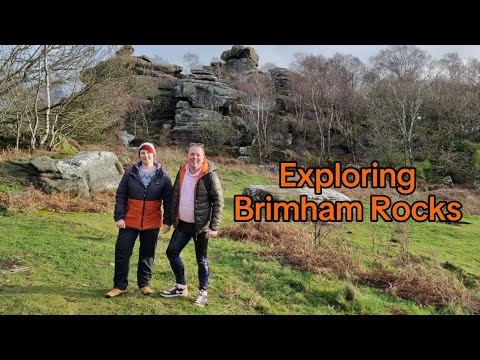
{"x":147,"y":146}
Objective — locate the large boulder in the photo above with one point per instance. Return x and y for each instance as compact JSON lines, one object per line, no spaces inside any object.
{"x":143,"y":65}
{"x":259,"y":192}
{"x":163,"y":101}
{"x":205,"y":94}
{"x":189,"y":121}
{"x":282,"y":80}
{"x":240,"y":52}
{"x":201,"y":103}
{"x":16,"y":173}
{"x":240,"y":59}
{"x":203,"y":74}
{"x":86,"y":172}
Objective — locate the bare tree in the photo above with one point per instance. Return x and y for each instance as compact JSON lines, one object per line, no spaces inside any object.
{"x":323,"y":94}
{"x":314,"y":69}
{"x":403,"y":62}
{"x":17,"y":64}
{"x":217,"y":130}
{"x":218,"y":68}
{"x":300,"y":101}
{"x":160,"y":60}
{"x":16,"y":106}
{"x":138,"y":109}
{"x":268,"y":66}
{"x":473,"y":71}
{"x":256,"y":104}
{"x":404,"y":73}
{"x":192,"y":61}
{"x":46,"y":71}
{"x":101,"y":103}
{"x":43,"y":86}
{"x":453,"y":67}
{"x":406,"y":112}
{"x":89,"y":114}
{"x":62,"y":66}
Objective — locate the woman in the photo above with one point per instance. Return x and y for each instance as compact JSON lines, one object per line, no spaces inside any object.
{"x":197,"y":206}
{"x":138,"y":212}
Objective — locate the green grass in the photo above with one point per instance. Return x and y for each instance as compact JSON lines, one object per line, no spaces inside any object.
{"x":68,"y":262}
{"x":66,"y":267}
{"x":457,"y":244}
{"x":434,"y":242}
{"x":6,"y":188}
{"x":233,"y":183}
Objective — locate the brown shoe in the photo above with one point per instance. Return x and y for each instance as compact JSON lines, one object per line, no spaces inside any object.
{"x":114,"y":292}
{"x":146,"y":290}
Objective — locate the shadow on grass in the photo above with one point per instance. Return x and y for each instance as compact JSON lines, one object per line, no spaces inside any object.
{"x":71,"y":293}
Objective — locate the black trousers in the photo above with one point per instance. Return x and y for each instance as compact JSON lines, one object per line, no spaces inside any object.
{"x":180,"y":238}
{"x":123,"y":251}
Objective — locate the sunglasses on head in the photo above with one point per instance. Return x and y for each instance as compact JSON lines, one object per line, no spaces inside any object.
{"x":196,"y":144}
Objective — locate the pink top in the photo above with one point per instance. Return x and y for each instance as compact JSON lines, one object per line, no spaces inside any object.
{"x":186,"y":208}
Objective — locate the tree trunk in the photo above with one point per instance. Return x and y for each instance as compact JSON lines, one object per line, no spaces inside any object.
{"x":49,"y":100}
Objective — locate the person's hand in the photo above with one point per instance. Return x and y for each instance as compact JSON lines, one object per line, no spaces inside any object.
{"x":121,"y":224}
{"x":166,"y":228}
{"x":212,"y":233}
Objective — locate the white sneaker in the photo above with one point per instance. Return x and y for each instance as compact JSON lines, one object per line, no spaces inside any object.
{"x":176,"y":290}
{"x":201,"y":298}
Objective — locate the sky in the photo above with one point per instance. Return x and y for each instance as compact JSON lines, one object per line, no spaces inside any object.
{"x":282,"y":55}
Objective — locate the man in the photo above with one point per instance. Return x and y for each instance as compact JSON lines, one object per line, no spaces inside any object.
{"x":197,"y":205}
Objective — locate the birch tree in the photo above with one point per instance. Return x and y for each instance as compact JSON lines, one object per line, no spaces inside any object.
{"x":404,"y":72}
{"x":256,"y":104}
{"x":44,"y":91}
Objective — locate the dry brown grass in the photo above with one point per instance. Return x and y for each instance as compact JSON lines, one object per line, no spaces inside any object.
{"x":101,"y":202}
{"x":293,"y":246}
{"x":32,"y":199}
{"x":169,"y":155}
{"x":428,"y":286}
{"x":469,"y":198}
{"x":11,"y":154}
{"x":407,"y":279}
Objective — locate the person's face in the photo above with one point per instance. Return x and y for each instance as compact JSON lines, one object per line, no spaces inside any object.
{"x":195,"y":157}
{"x":146,"y":157}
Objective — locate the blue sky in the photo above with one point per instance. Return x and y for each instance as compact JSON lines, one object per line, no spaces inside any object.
{"x":282,"y":55}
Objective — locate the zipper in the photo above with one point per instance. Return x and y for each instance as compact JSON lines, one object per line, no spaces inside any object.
{"x":144,"y":197}
{"x":143,"y":210}
{"x":144,"y":193}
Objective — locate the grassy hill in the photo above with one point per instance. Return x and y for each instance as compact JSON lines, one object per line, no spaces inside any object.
{"x":55,"y":262}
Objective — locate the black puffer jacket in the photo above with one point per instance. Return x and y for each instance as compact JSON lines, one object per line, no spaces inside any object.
{"x":140,"y":207}
{"x":208,"y":204}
